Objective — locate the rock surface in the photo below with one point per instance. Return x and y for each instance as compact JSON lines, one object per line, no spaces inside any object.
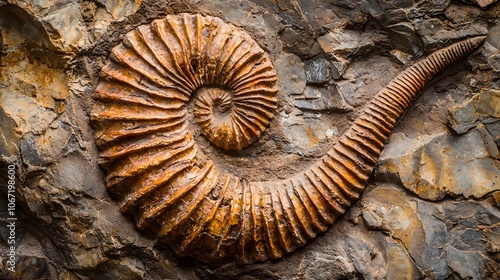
{"x":431,"y":211}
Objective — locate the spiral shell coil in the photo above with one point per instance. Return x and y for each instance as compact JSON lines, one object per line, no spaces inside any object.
{"x":142,"y":132}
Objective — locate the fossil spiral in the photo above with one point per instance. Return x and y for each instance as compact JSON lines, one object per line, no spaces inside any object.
{"x":142,"y":131}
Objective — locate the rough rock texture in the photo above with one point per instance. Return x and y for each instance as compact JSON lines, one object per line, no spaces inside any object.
{"x":431,"y":210}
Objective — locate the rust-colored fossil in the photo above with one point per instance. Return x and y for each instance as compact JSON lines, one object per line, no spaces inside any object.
{"x":151,"y":157}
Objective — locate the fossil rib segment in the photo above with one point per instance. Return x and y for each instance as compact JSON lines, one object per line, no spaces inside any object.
{"x":151,"y":156}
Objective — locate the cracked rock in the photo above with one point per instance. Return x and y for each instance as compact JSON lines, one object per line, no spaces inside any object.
{"x":483,"y":108}
{"x":342,"y":45}
{"x":321,"y":99}
{"x":318,"y":71}
{"x":433,"y":167}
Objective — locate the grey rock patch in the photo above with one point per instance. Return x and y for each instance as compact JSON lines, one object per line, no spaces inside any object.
{"x":404,"y":38}
{"x":483,"y":108}
{"x":343,"y":44}
{"x":318,"y":71}
{"x":321,"y":99}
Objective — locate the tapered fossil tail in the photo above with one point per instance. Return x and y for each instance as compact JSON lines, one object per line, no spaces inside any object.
{"x":363,"y":142}
{"x":145,"y":142}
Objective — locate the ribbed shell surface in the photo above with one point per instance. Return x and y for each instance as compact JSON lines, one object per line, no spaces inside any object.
{"x":149,"y":153}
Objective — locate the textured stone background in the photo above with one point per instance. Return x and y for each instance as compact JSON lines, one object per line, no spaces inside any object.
{"x":431,"y":210}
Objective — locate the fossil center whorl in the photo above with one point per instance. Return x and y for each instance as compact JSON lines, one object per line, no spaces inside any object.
{"x":214,"y":101}
{"x":228,"y":123}
{"x":214,"y":113}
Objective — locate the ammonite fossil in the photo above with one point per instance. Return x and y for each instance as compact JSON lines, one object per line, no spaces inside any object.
{"x":141,"y":121}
